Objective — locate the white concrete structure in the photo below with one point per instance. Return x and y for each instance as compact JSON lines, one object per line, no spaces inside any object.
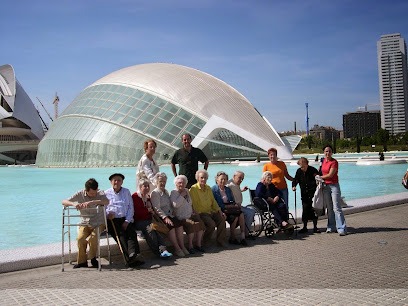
{"x":20,"y":124}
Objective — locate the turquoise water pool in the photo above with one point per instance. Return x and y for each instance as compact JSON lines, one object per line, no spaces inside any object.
{"x":31,"y":197}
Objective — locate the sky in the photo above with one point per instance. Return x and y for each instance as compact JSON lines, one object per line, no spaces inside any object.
{"x":280,"y":54}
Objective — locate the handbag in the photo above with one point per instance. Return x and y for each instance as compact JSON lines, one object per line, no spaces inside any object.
{"x":158,"y":225}
{"x":233,"y":210}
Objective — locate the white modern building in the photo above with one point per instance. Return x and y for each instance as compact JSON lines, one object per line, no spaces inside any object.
{"x":108,"y":121}
{"x":392,"y":73}
{"x":20,"y":124}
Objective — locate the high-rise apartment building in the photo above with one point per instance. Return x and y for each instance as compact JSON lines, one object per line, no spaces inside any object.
{"x":361,"y":123}
{"x":392,"y":72}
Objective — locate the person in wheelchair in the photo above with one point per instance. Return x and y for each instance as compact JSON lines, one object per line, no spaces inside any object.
{"x":268,"y":198}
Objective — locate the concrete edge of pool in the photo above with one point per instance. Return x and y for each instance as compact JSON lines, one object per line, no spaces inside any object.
{"x":50,"y":254}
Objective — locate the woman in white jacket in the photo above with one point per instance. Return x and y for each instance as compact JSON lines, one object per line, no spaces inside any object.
{"x":147,"y":167}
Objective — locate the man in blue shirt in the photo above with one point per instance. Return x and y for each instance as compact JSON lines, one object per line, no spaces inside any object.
{"x":120,"y":213}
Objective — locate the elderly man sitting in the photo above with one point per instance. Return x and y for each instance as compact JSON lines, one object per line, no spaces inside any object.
{"x":235,"y":185}
{"x":205,"y":204}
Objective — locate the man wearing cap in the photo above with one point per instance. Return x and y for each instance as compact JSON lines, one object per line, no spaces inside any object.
{"x":85,"y":201}
{"x":120,"y":213}
{"x":188,"y":157}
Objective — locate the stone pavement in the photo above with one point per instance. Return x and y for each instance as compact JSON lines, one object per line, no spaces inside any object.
{"x":369,"y":266}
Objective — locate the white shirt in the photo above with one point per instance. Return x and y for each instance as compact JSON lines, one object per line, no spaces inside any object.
{"x":120,"y":203}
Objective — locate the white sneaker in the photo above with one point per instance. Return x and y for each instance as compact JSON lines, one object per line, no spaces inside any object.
{"x":165,"y":254}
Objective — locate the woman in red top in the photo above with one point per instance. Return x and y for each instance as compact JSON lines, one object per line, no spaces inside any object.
{"x":332,"y":193}
{"x":143,"y":219}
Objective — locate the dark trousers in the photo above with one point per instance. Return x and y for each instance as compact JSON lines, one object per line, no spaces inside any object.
{"x":153,"y":238}
{"x":127,"y":238}
{"x":280,"y":212}
{"x":307,"y":209}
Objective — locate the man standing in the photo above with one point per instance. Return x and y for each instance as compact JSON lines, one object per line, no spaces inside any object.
{"x":85,"y":201}
{"x":235,"y":185}
{"x":188,"y":157}
{"x":120,"y":213}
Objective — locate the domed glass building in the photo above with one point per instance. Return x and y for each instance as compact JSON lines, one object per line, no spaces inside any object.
{"x":109,"y":120}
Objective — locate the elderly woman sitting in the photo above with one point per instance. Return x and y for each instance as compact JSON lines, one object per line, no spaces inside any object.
{"x":163,"y":208}
{"x":143,"y":219}
{"x":205,"y":204}
{"x":225,"y":199}
{"x":183,"y":211}
{"x":267,"y":191}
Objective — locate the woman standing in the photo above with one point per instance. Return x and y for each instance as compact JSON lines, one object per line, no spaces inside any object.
{"x":332,"y":193}
{"x":305,"y":177}
{"x":183,"y":211}
{"x":147,"y":167}
{"x":279,"y":172}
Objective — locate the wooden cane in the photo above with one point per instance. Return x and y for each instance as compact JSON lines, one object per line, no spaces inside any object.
{"x":119,"y":243}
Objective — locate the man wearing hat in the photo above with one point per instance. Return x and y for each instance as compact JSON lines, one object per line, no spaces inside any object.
{"x":120,"y":213}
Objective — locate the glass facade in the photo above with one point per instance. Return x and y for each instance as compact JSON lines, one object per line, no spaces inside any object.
{"x":107,"y":124}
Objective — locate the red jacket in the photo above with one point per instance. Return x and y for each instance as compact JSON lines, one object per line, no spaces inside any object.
{"x":141,"y":212}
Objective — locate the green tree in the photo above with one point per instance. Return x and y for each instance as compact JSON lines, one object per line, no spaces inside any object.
{"x":382,"y":138}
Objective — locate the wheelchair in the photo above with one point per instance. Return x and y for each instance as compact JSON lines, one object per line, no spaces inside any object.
{"x":264,"y":220}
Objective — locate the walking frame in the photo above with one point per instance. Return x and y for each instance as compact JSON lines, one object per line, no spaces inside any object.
{"x":70,"y":219}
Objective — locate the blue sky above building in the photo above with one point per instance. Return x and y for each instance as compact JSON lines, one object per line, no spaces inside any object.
{"x":278,"y":54}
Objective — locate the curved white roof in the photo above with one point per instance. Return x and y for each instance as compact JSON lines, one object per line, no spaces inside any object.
{"x":195,"y":91}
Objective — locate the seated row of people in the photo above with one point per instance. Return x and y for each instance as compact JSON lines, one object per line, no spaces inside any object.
{"x":198,"y":212}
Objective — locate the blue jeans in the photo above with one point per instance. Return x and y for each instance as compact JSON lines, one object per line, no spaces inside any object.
{"x":335,"y":216}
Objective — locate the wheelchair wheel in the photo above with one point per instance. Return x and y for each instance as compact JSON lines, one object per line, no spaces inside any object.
{"x":269,"y":225}
{"x":256,"y":227}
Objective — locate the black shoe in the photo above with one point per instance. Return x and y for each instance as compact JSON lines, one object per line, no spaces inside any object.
{"x":94,"y":263}
{"x":200,"y":249}
{"x":136,"y":260}
{"x":191,"y":251}
{"x":244,"y":243}
{"x":81,"y":265}
{"x":234,"y":241}
{"x":303,"y":230}
{"x":316,"y":230}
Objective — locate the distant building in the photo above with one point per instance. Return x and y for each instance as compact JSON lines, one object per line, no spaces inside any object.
{"x":109,"y":120}
{"x":361,"y":123}
{"x":324,"y":132}
{"x":392,"y":73}
{"x":20,"y":124}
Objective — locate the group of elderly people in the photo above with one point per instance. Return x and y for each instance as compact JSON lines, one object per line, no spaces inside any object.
{"x":199,"y":210}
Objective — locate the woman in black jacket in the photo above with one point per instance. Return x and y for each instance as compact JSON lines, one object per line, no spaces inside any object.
{"x":305,"y":177}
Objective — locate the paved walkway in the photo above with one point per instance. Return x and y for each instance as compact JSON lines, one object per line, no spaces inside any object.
{"x":369,"y":266}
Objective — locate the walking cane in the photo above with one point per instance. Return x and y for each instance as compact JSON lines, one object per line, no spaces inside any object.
{"x":119,"y":243}
{"x":296,"y":227}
